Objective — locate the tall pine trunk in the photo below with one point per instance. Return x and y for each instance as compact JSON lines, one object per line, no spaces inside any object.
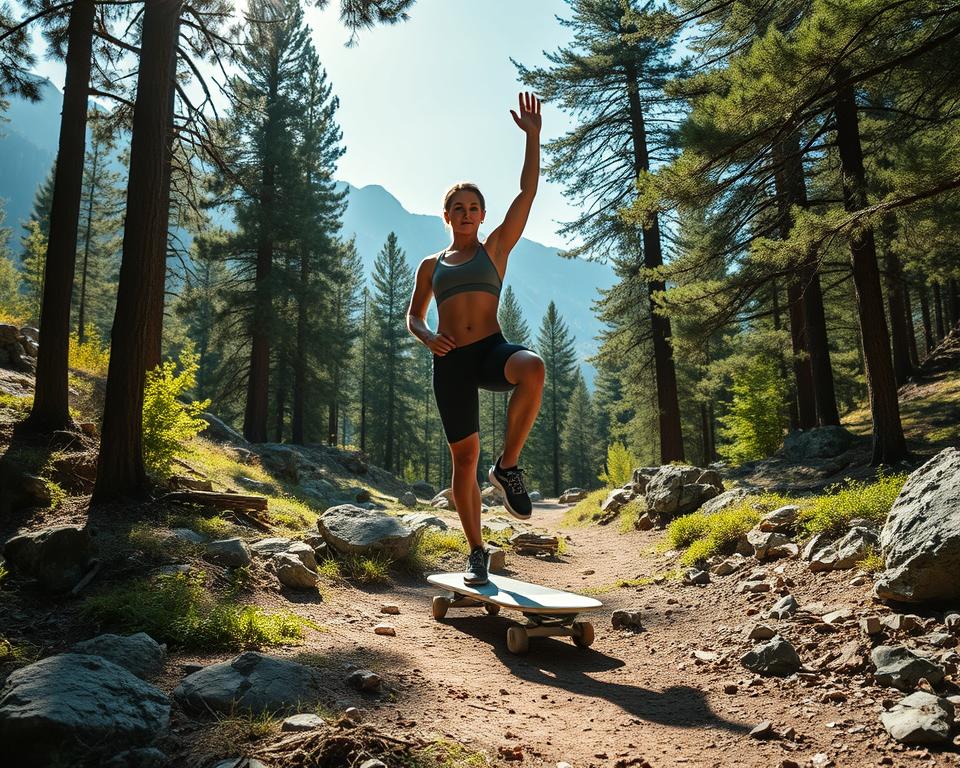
{"x":300,"y":361}
{"x":889,"y":445}
{"x":928,"y":342}
{"x":792,"y":406}
{"x":87,"y":235}
{"x":902,"y":368}
{"x":50,"y":409}
{"x":953,"y":303}
{"x":668,"y":405}
{"x":120,"y":469}
{"x":911,"y":329}
{"x":938,"y":311}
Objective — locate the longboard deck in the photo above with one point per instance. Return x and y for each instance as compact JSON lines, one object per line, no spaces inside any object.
{"x":517,"y":595}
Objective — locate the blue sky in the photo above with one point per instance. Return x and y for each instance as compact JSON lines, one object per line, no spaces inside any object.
{"x":426,"y":102}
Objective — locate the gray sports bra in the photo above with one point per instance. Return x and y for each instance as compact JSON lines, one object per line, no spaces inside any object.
{"x":477,"y":274}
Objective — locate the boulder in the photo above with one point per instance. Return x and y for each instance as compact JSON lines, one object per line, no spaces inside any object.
{"x":920,"y":718}
{"x":305,"y":552}
{"x":780,"y":520}
{"x":251,"y":682}
{"x":292,"y":572}
{"x":408,"y":499}
{"x":616,"y":500}
{"x":920,"y":539}
{"x":572,"y":496}
{"x":784,"y":608}
{"x":220,"y":432}
{"x":72,"y":705}
{"x":536,"y":496}
{"x":418,"y":520}
{"x":21,"y":489}
{"x":233,"y":553}
{"x":774,"y":657}
{"x":677,"y":489}
{"x":444,"y":497}
{"x":139,"y":653}
{"x":352,"y":530}
{"x":767,"y":546}
{"x":844,"y":554}
{"x":817,"y":542}
{"x":57,"y":557}
{"x":816,"y":443}
{"x":902,"y":668}
{"x":725,"y":500}
{"x":423,"y":489}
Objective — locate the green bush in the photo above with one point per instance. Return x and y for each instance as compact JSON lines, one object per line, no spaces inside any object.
{"x":586,"y":511}
{"x":753,"y":425}
{"x":178,"y":609}
{"x":431,"y":547}
{"x":167,"y":422}
{"x":620,"y":465}
{"x":367,"y":569}
{"x":832,"y":512}
{"x":629,"y":513}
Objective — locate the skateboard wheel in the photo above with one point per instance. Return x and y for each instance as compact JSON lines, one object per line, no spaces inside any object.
{"x":440,"y":605}
{"x":582,"y":633}
{"x":493,"y":610}
{"x":518,"y":641}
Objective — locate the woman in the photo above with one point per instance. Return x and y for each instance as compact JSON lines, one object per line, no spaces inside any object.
{"x":469,"y":350}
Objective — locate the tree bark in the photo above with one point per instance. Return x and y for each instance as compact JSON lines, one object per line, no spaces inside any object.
{"x":51,"y":407}
{"x":928,"y":342}
{"x":938,"y":311}
{"x":889,"y":445}
{"x":88,"y":232}
{"x":300,"y":363}
{"x":902,"y":369}
{"x":954,"y":303}
{"x":668,"y":405}
{"x":911,"y":329}
{"x":120,"y":470}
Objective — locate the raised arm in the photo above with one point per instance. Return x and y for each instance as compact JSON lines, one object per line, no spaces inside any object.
{"x":503,"y":238}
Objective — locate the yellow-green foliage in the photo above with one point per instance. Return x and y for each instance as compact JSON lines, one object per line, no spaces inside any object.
{"x":620,"y":464}
{"x":367,"y":569}
{"x":17,"y":653}
{"x":703,"y":536}
{"x":292,"y":515}
{"x":21,"y":405}
{"x":3,"y":572}
{"x":214,"y":526}
{"x":586,"y":511}
{"x":872,"y":561}
{"x":93,"y":356}
{"x":180,"y":610}
{"x":833,"y":511}
{"x":446,"y":754}
{"x":629,"y":513}
{"x":753,"y":424}
{"x":430,"y":548}
{"x":167,"y":422}
{"x":329,"y":569}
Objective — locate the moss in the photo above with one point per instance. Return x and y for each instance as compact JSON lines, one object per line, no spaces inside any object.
{"x":630,"y":513}
{"x":586,"y":511}
{"x":180,"y":610}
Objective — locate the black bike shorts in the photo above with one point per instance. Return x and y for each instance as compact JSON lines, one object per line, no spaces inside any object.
{"x":457,"y":376}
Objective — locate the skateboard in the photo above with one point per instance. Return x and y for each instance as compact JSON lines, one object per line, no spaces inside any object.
{"x":548,"y":612}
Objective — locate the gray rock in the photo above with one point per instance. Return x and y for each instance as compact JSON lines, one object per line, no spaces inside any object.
{"x":144,"y":757}
{"x":302,"y":722}
{"x":220,"y":432}
{"x":920,"y":718}
{"x":725,"y":500}
{"x":280,"y":545}
{"x":761,"y":632}
{"x":57,"y":557}
{"x":423,"y":489}
{"x":729,"y":565}
{"x":845,"y":553}
{"x":780,"y":520}
{"x":952,"y":622}
{"x":675,"y":490}
{"x":902,"y":668}
{"x":775,"y":657}
{"x":696,"y":577}
{"x":939,"y":639}
{"x":292,"y":572}
{"x":921,"y":537}
{"x":351,"y":530}
{"x":572,"y":496}
{"x":408,"y":499}
{"x":233,"y":553}
{"x":536,"y":496}
{"x":138,"y":653}
{"x":417,"y":520}
{"x":373,"y":763}
{"x":816,"y":443}
{"x":187,"y":535}
{"x":251,"y":682}
{"x":240,"y":762}
{"x":784,"y":608}
{"x":64,"y":706}
{"x":768,"y":546}
{"x":817,"y":542}
{"x":616,"y":500}
{"x":364,"y":680}
{"x":627,"y":620}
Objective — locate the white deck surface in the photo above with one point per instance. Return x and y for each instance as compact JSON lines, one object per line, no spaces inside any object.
{"x":517,"y":595}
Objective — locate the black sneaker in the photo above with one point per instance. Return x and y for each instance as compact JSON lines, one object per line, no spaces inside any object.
{"x":510,"y":483}
{"x":477,"y":564}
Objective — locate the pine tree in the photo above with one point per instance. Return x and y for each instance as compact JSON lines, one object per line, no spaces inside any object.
{"x":34,"y":262}
{"x":582,"y":452}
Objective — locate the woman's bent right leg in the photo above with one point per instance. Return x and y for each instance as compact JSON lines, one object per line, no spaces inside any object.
{"x":465,"y":454}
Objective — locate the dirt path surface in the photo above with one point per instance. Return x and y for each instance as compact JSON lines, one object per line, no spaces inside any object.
{"x":632,"y":698}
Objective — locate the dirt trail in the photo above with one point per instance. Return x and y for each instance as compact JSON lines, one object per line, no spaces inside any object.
{"x":630,"y":697}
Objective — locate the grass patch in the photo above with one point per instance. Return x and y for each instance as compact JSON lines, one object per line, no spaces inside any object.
{"x":224,"y":736}
{"x":629,"y":514}
{"x":214,"y":526}
{"x":703,"y":536}
{"x":642,"y":581}
{"x":446,"y":754}
{"x":367,"y":569}
{"x":872,"y":562}
{"x":17,"y":653}
{"x":180,"y":610}
{"x":586,"y":511}
{"x":832,"y":512}
{"x":3,"y":572}
{"x":160,"y":544}
{"x":329,"y":569}
{"x":20,"y":405}
{"x":432,"y":547}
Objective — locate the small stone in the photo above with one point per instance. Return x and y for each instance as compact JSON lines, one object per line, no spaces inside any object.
{"x":705,"y":655}
{"x":385,"y":629}
{"x":588,"y":572}
{"x":871,"y":625}
{"x":730,"y":688}
{"x":353,"y":714}
{"x":302,"y":722}
{"x":784,"y":608}
{"x":760,"y":632}
{"x":364,"y":680}
{"x":390,"y":608}
{"x":627,"y":620}
{"x":564,"y":765}
{"x":837,"y":617}
{"x":899,"y":622}
{"x":373,"y":763}
{"x":763,"y":731}
{"x":859,"y":581}
{"x":775,"y":657}
{"x":696,"y":577}
{"x":939,"y":640}
{"x":952,"y":622}
{"x":920,"y":718}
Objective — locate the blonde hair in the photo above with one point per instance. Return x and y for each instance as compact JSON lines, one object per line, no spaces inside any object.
{"x":460,"y":185}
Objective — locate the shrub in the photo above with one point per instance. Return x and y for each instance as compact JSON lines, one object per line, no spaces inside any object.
{"x":832,"y":512}
{"x":92,"y":356}
{"x":367,"y":569}
{"x":430,"y":548}
{"x":620,"y":464}
{"x":178,"y":609}
{"x":872,"y":562}
{"x":167,"y":422}
{"x":586,"y":511}
{"x":629,"y":514}
{"x":753,"y":424}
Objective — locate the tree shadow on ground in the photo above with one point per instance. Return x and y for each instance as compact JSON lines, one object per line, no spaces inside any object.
{"x":556,"y":662}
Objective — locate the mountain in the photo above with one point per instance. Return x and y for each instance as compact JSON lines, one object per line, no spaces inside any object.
{"x":28,"y":144}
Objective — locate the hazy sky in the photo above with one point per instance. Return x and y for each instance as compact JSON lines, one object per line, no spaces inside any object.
{"x":426,"y":102}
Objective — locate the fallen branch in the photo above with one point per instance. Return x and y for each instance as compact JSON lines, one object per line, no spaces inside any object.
{"x":237,"y":502}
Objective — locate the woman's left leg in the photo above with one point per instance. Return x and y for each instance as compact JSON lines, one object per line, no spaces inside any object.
{"x":525,"y":369}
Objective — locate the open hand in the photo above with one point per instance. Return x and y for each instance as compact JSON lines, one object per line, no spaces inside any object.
{"x":441,"y":343}
{"x":529,"y":118}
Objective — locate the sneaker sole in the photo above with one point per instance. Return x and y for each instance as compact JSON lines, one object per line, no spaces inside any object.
{"x":475,"y":583}
{"x":506,"y":503}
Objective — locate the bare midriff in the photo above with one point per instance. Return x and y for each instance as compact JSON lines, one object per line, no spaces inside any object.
{"x":468,"y":317}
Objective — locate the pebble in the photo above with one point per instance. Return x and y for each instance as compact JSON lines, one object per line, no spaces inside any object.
{"x":763,"y":731}
{"x":302,"y":722}
{"x":760,"y":632}
{"x":871,"y":625}
{"x":353,"y":714}
{"x":390,"y":608}
{"x":385,"y":629}
{"x":730,"y":688}
{"x":587,"y":572}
